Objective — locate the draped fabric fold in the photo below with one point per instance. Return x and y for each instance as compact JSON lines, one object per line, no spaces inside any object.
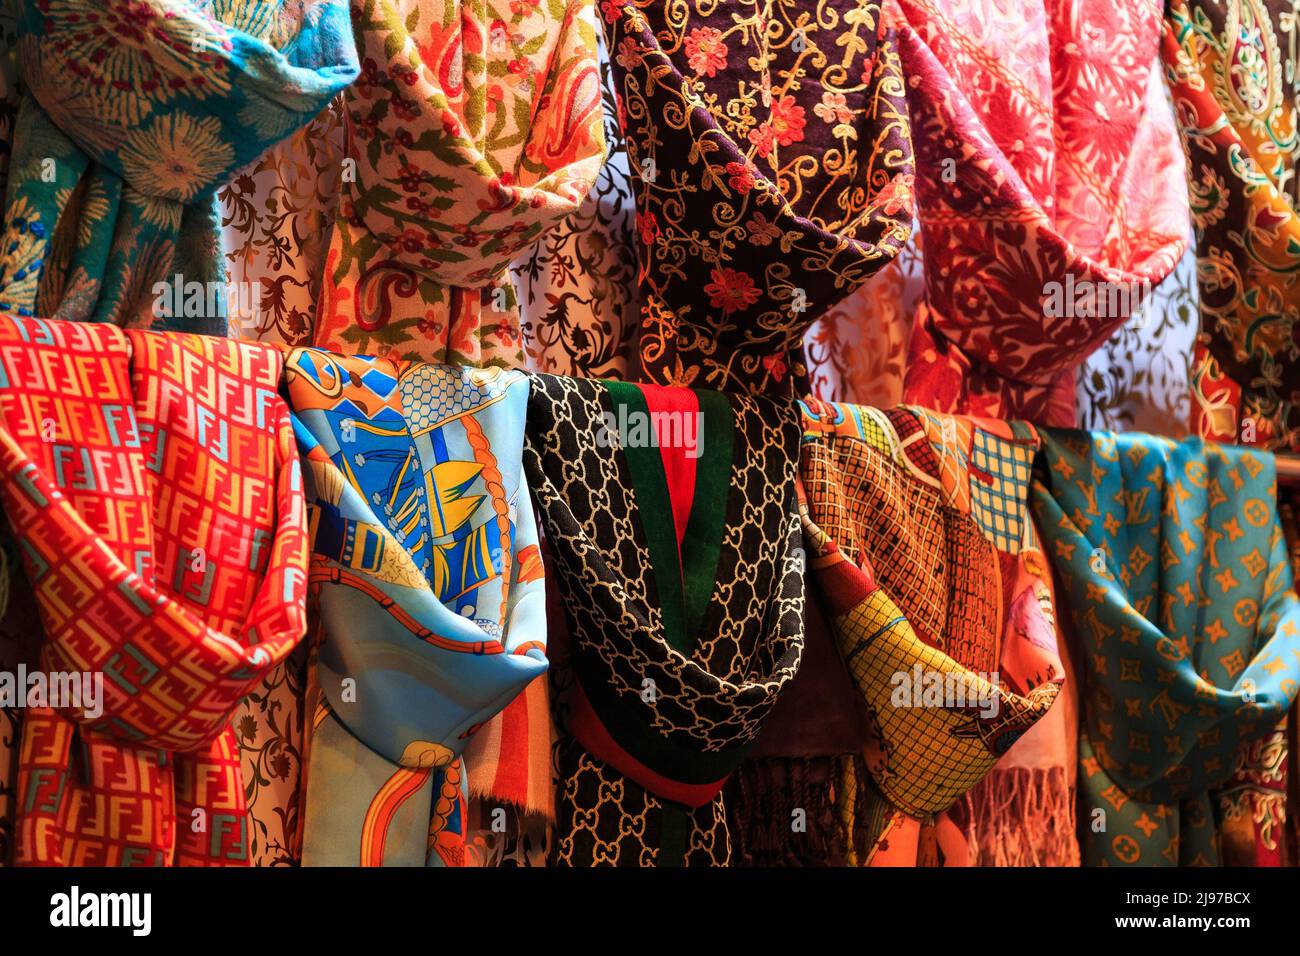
{"x":474,"y":127}
{"x":772,"y":170}
{"x":1228,"y":67}
{"x":671,"y":517}
{"x":133,"y":114}
{"x":1176,"y":572}
{"x":1042,"y":149}
{"x":939,"y":600}
{"x":153,"y":484}
{"x":430,"y":588}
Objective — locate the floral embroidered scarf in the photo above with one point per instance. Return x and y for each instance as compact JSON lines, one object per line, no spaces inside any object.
{"x":430,"y":589}
{"x":474,"y":127}
{"x":1176,"y":571}
{"x":153,"y":484}
{"x":939,"y":600}
{"x":133,"y":114}
{"x":773,"y":174}
{"x":1041,"y":146}
{"x":1227,"y":64}
{"x":671,"y":517}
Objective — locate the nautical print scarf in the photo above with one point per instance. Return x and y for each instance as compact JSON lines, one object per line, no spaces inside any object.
{"x":429,"y":583}
{"x":671,"y":517}
{"x":154,"y":486}
{"x":1176,"y":572}
{"x":772,"y":169}
{"x":940,"y":603}
{"x":474,"y":127}
{"x":1228,"y":66}
{"x":133,"y":114}
{"x":1042,"y":150}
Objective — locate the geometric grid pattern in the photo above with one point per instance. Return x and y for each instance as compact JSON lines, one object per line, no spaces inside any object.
{"x":1000,"y":472}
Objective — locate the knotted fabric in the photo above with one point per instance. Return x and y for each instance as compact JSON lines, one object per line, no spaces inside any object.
{"x":133,"y":114}
{"x":154,"y":486}
{"x":1176,"y":572}
{"x":671,"y":517}
{"x":474,"y":127}
{"x":430,"y":589}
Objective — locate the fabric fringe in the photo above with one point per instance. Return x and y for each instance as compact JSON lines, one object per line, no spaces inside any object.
{"x":1024,"y":817}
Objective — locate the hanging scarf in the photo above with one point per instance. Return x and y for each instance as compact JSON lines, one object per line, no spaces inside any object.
{"x":474,"y":127}
{"x":940,"y":604}
{"x":1179,"y":586}
{"x":1041,"y":149}
{"x":133,"y":114}
{"x":1229,"y":68}
{"x":430,"y":592}
{"x":773,"y":174}
{"x":671,"y":516}
{"x":153,"y":484}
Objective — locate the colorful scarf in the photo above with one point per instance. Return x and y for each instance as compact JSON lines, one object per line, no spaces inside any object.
{"x":1229,"y":66}
{"x":1177,"y":576}
{"x":154,"y":487}
{"x":671,"y":516}
{"x":133,"y":114}
{"x":430,"y":591}
{"x":773,"y":174}
{"x":474,"y":127}
{"x":940,"y":603}
{"x":1041,"y":149}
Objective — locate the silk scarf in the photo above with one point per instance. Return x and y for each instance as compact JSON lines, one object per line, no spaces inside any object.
{"x":940,"y":603}
{"x":153,"y":485}
{"x":772,"y":170}
{"x":1044,"y":209}
{"x":430,"y":589}
{"x":474,"y":127}
{"x":1176,"y":571}
{"x":1226,"y":66}
{"x":133,"y":114}
{"x":671,"y":517}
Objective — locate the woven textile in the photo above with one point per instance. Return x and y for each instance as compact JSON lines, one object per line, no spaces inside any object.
{"x":772,"y":172}
{"x":430,"y":591}
{"x":941,"y":610}
{"x":1041,"y":149}
{"x":133,"y":114}
{"x":153,"y":484}
{"x":671,"y":517}
{"x":1176,"y":571}
{"x":474,"y":127}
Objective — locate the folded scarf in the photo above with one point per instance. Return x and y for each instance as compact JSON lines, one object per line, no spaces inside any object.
{"x":1177,"y":576}
{"x":133,"y":114}
{"x":430,"y":591}
{"x":1041,"y":149}
{"x":153,"y":484}
{"x":940,"y":603}
{"x":773,"y":174}
{"x":671,"y":517}
{"x":1229,"y":66}
{"x":474,"y":127}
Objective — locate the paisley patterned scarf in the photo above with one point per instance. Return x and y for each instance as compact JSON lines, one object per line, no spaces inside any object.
{"x":153,"y":484}
{"x":671,"y":516}
{"x":430,"y":592}
{"x":1226,"y":64}
{"x":474,"y":127}
{"x":940,"y":603}
{"x":133,"y":114}
{"x":1041,"y":147}
{"x":1176,"y":571}
{"x":772,"y":169}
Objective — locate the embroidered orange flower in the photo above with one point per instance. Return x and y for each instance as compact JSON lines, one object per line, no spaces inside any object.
{"x":706,"y":51}
{"x":784,"y":127}
{"x":740,"y":177}
{"x":730,"y":290}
